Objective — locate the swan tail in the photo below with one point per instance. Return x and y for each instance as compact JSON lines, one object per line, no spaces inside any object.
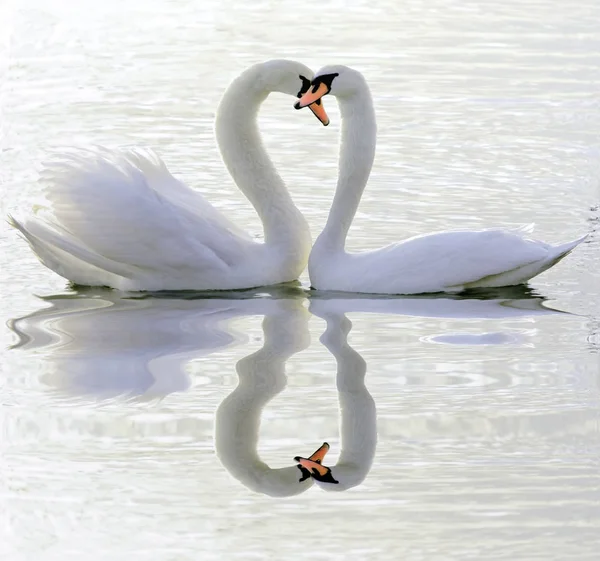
{"x":524,"y":273}
{"x":68,"y":258}
{"x":561,"y":251}
{"x":555,"y":254}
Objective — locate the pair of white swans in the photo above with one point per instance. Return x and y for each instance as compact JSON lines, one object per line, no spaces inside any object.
{"x":124,"y":221}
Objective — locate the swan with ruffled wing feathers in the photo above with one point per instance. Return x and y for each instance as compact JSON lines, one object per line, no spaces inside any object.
{"x":120,"y":219}
{"x":441,"y":262}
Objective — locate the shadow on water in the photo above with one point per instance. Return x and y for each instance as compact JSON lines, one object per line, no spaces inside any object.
{"x":295,"y":289}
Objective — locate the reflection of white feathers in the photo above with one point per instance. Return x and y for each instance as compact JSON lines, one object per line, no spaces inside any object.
{"x":121,"y":219}
{"x":262,"y":377}
{"x":106,"y":346}
{"x":501,"y":303}
{"x":357,"y":407}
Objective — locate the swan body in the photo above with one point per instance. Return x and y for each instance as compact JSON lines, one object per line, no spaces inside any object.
{"x":440,"y":262}
{"x":122,"y":220}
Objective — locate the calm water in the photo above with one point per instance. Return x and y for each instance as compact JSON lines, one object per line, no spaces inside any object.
{"x":164,"y":428}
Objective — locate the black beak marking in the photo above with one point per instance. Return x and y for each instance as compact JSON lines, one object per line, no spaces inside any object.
{"x":326,"y":79}
{"x":305,"y":86}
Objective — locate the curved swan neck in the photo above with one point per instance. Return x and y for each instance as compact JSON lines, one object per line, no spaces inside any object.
{"x":261,"y":377}
{"x":249,"y":165}
{"x":357,"y":406}
{"x":357,"y":152}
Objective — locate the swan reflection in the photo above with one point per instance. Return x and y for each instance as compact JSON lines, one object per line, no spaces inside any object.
{"x":262,"y":376}
{"x":357,"y":407}
{"x":100,"y":344}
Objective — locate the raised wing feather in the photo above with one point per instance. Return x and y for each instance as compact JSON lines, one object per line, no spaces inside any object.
{"x":128,"y":208}
{"x":160,"y":179}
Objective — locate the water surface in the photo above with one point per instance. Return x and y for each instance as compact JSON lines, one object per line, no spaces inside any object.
{"x":164,"y":427}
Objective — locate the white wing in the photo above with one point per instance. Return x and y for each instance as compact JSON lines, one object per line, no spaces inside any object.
{"x":445,"y":261}
{"x":459,"y":258}
{"x":127,"y":208}
{"x":160,"y":179}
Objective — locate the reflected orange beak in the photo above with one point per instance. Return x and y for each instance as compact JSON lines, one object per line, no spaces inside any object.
{"x":319,"y":112}
{"x":320,"y":453}
{"x":315,"y":470}
{"x":312,"y":96}
{"x":312,"y":467}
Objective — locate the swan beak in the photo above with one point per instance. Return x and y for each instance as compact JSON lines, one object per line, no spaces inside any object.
{"x":312,"y":95}
{"x":315,"y":470}
{"x":319,"y":112}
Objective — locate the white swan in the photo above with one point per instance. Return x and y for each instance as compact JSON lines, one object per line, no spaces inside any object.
{"x":357,"y":406}
{"x":122,"y":220}
{"x":440,"y":262}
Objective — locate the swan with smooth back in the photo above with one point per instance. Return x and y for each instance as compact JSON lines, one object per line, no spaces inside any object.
{"x":122,"y":220}
{"x":441,"y":262}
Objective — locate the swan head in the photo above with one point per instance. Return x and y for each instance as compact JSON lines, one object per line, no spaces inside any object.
{"x":291,"y":78}
{"x":337,"y":80}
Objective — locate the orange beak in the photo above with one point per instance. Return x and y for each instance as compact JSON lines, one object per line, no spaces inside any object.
{"x":312,"y":96}
{"x":319,"y":111}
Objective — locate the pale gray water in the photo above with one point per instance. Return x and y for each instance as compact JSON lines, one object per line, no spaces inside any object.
{"x":119,"y":413}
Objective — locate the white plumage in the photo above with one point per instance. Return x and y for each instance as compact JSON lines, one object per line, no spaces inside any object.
{"x":121,"y":219}
{"x":440,"y":262}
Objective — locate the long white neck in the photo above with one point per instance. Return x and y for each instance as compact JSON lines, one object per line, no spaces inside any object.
{"x":250,"y":167}
{"x":357,"y":152}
